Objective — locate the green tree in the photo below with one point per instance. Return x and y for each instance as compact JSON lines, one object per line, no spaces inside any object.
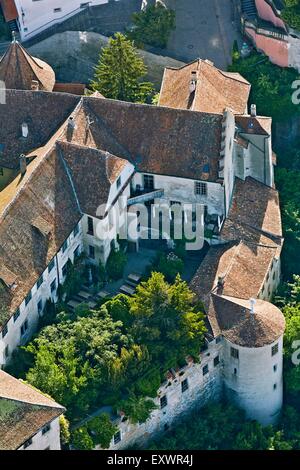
{"x":137,"y":408}
{"x":81,"y":439}
{"x":168,"y":320}
{"x":152,"y":26}
{"x":120,"y":71}
{"x":102,"y":430}
{"x":115,"y":264}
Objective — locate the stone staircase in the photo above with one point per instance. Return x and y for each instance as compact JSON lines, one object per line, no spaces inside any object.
{"x":249,"y":9}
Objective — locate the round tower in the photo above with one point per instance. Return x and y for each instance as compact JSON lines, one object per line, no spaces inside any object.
{"x":253,"y":357}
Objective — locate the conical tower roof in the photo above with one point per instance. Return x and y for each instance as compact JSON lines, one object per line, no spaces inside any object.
{"x":18,"y":69}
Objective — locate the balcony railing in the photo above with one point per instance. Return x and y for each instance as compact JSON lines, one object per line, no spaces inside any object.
{"x":144,"y":196}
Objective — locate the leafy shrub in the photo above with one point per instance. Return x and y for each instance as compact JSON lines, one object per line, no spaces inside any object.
{"x":115,"y":264}
{"x":170,"y":265}
{"x":64,"y":430}
{"x":137,"y":408}
{"x":81,"y":439}
{"x":102,"y":430}
{"x":152,"y":26}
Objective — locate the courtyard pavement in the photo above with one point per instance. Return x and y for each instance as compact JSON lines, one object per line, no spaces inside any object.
{"x":204,"y":29}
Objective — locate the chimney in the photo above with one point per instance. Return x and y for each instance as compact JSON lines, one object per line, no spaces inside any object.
{"x":35,"y":86}
{"x":23,"y":164}
{"x":71,"y":123}
{"x":253,"y":110}
{"x":25,"y":130}
{"x":221,"y":281}
{"x":193,"y":81}
{"x":252,"y":305}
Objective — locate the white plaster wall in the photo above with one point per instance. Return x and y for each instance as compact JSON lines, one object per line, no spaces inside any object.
{"x":252,"y":386}
{"x":183,"y":190}
{"x":202,"y":389}
{"x":107,"y":229}
{"x":258,"y":159}
{"x":30,"y":312}
{"x":48,"y":441}
{"x":228,"y":133}
{"x":272,"y":280}
{"x":36,"y":16}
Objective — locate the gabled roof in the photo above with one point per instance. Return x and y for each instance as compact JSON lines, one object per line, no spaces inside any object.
{"x":242,"y":265}
{"x":258,"y":125}
{"x":23,"y":412}
{"x":43,"y":112}
{"x":154,"y":139}
{"x":215,"y":90}
{"x":92,"y":172}
{"x":43,"y":198}
{"x":18,"y":69}
{"x":254,"y":206}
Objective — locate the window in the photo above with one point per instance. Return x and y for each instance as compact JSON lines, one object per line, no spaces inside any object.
{"x":218,"y":339}
{"x":275,"y":367}
{"x":17,"y":314}
{"x":90,"y":226}
{"x":4,"y":331}
{"x":51,"y":265}
{"x":200,"y":188}
{"x":274,"y":386}
{"x":65,"y":246}
{"x":235,"y":371}
{"x":117,"y":437}
{"x":163,"y":401}
{"x":91,"y":252}
{"x":148,"y":182}
{"x":76,"y":230}
{"x":65,"y":269}
{"x":119,"y":182}
{"x":184,"y":385}
{"x":234,"y":353}
{"x":28,"y":298}
{"x":46,"y":428}
{"x":53,"y":286}
{"x":77,"y":252}
{"x":27,"y":443}
{"x":40,"y":306}
{"x":6,"y":351}
{"x":216,"y":361}
{"x":274,"y":349}
{"x":24,"y":327}
{"x":40,"y":282}
{"x":205,"y":370}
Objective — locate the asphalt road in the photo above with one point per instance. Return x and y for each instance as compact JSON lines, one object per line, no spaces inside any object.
{"x":205,"y":29}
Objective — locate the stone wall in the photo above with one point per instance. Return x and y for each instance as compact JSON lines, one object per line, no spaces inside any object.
{"x":74,"y":54}
{"x":203,"y":387}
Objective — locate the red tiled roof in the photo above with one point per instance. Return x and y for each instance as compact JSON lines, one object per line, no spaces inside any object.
{"x":18,"y":69}
{"x":215,"y":90}
{"x":9,"y":9}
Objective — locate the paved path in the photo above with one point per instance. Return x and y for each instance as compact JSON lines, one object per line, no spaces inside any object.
{"x":204,"y":28}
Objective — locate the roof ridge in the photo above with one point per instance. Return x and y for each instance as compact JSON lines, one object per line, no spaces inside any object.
{"x":33,"y":389}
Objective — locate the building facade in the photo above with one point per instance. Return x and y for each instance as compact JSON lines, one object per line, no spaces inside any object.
{"x":83,"y":162}
{"x":28,"y":419}
{"x":263,"y":25}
